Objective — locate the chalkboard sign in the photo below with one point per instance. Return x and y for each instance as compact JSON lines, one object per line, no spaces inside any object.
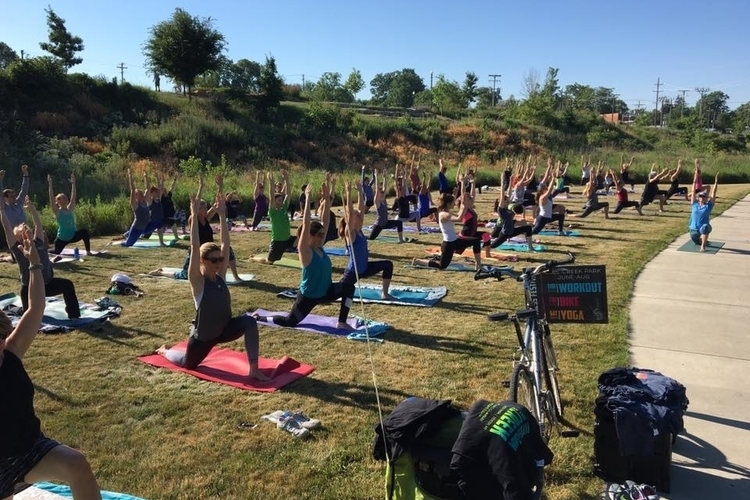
{"x":573,"y":294}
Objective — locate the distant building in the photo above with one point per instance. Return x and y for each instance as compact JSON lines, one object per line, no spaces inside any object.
{"x":612,"y":118}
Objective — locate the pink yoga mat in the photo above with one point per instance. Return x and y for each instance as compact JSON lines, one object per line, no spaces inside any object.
{"x":229,"y":367}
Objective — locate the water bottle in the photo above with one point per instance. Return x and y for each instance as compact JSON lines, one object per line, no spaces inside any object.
{"x":76,"y":253}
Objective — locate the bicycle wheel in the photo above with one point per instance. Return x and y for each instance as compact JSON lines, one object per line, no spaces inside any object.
{"x":522,"y":390}
{"x":550,"y":372}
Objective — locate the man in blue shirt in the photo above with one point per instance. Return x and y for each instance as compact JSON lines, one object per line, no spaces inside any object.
{"x":443,"y":180}
{"x":700,"y":213}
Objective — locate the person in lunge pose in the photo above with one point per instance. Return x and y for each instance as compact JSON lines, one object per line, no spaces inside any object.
{"x":651,"y":190}
{"x":261,"y":201}
{"x":700,"y":215}
{"x":281,"y":235}
{"x":15,"y":237}
{"x":548,"y":212}
{"x":622,"y":197}
{"x":214,"y":323}
{"x":592,"y":197}
{"x":626,"y":173}
{"x":368,"y":190}
{"x":316,"y":286}
{"x":63,"y":207}
{"x":139,"y":203}
{"x":674,"y":183}
{"x":26,"y":454}
{"x":350,"y":230}
{"x":506,"y":227}
{"x":381,"y":208}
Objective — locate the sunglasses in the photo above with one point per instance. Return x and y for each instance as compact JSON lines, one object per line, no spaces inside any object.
{"x":214,"y":260}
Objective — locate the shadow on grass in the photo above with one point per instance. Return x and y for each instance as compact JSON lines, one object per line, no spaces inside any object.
{"x":117,"y":334}
{"x":58,"y":398}
{"x":438,"y":342}
{"x":354,"y":395}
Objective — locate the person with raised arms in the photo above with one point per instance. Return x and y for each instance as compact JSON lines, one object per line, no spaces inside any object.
{"x":15,"y":236}
{"x":381,"y":209}
{"x":63,"y":207}
{"x":674,"y":183}
{"x":424,"y":199}
{"x":350,"y":230}
{"x":626,"y":172}
{"x":368,"y":190}
{"x":316,"y":286}
{"x":403,"y":202}
{"x":139,"y":204}
{"x":26,"y":454}
{"x":700,"y":214}
{"x":170,"y":220}
{"x":214,"y":323}
{"x":281,"y":232}
{"x":156,"y":210}
{"x":506,"y":226}
{"x":548,"y":212}
{"x":592,"y":197}
{"x":622,"y":196}
{"x":443,"y":186}
{"x":651,"y":190}
{"x":260,"y":199}
{"x":14,"y":201}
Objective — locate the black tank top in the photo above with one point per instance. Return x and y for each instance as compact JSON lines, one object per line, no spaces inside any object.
{"x":205,"y":233}
{"x":20,"y":428}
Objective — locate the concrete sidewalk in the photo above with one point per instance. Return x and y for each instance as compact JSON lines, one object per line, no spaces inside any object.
{"x":690,"y":320}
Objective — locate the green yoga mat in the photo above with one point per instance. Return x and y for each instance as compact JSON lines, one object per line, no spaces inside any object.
{"x":153,"y":243}
{"x":294,"y":263}
{"x":711,"y":248}
{"x":54,"y":311}
{"x":169,"y":236}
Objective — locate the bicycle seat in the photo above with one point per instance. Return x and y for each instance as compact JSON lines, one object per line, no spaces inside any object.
{"x":499,"y":316}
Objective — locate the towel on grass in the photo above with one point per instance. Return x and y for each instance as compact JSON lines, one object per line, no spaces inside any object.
{"x":52,"y":491}
{"x":169,"y":273}
{"x":55,"y":319}
{"x":469,"y":254}
{"x":146,"y":243}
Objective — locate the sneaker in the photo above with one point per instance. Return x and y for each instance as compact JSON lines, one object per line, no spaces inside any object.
{"x":305,"y":421}
{"x":641,"y":491}
{"x":616,"y":491}
{"x":289,"y":424}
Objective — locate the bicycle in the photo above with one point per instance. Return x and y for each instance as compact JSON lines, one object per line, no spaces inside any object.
{"x":533,"y":381}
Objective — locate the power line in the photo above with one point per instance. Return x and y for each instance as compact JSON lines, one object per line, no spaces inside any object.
{"x":495,"y":78}
{"x":702,"y":91}
{"x":656,"y":104}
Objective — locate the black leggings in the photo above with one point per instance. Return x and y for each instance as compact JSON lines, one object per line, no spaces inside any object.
{"x":57,"y":286}
{"x":373,"y":267}
{"x":428,"y":212}
{"x":388,"y":225}
{"x":448,"y":248}
{"x":679,"y":190}
{"x":499,"y":238}
{"x":625,"y":204}
{"x":540,"y":222}
{"x":589,"y":209}
{"x":239,"y":326}
{"x":304,"y":305}
{"x":79,"y":235}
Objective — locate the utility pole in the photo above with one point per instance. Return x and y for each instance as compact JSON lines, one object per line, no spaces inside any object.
{"x":303,"y":81}
{"x":702,"y":91}
{"x":656,"y":106}
{"x":430,"y":80}
{"x":122,"y":68}
{"x":495,"y":78}
{"x":682,"y":108}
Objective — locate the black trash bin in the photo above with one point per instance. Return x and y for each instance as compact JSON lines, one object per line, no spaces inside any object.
{"x":638,"y":415}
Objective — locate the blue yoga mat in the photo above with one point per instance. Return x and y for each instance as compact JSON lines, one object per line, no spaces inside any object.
{"x":336,"y":251}
{"x":520,"y":247}
{"x":552,"y":232}
{"x":146,"y":243}
{"x":64,"y":491}
{"x":55,"y":315}
{"x":402,"y":295}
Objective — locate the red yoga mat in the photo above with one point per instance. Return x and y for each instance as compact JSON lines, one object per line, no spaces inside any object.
{"x":229,"y":367}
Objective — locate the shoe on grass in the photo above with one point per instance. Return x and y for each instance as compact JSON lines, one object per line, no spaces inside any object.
{"x":305,"y":421}
{"x":288,"y":423}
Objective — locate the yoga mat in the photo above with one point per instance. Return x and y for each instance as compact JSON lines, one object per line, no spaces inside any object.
{"x":291,"y":262}
{"x":63,"y":259}
{"x":327,"y":324}
{"x":51,"y":491}
{"x":336,"y":251}
{"x":521,"y":247}
{"x":409,"y":229}
{"x":72,"y":251}
{"x":402,"y":295}
{"x":553,"y":232}
{"x":229,"y":278}
{"x":169,"y":236}
{"x":453,"y":266}
{"x":146,"y":243}
{"x":711,"y":248}
{"x":469,"y":254}
{"x":55,"y":318}
{"x":229,"y":367}
{"x":393,"y":239}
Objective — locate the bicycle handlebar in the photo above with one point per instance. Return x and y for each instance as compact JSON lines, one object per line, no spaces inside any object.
{"x":547,"y":266}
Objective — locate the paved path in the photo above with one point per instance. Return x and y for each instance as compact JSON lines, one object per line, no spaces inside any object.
{"x":690,"y":320}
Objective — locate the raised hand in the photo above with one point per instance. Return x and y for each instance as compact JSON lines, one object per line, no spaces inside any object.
{"x":72,"y":178}
{"x":49,"y":179}
{"x":25,"y":170}
{"x":29,"y":249}
{"x":195,"y":205}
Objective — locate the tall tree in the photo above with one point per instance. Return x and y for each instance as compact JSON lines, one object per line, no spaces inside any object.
{"x":184,"y":47}
{"x":469,"y":88}
{"x":62,"y":44}
{"x":397,"y":88}
{"x":354,"y":83}
{"x":329,"y":88}
{"x":448,"y":95}
{"x":271,"y":84}
{"x":7,"y":55}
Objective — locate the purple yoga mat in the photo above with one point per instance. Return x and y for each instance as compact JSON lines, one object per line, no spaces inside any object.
{"x":311,"y":323}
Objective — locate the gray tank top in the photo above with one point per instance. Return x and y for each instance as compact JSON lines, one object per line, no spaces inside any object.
{"x":142,"y":217}
{"x":214,"y":310}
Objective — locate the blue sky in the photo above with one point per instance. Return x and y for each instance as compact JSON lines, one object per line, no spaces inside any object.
{"x":623,"y":45}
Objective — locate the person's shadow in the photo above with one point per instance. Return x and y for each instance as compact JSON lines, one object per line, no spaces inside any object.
{"x":703,"y":470}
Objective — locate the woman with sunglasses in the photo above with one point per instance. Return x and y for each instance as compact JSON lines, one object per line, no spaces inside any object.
{"x":26,"y":454}
{"x":63,"y":207}
{"x":213,"y":323}
{"x":316,"y":286}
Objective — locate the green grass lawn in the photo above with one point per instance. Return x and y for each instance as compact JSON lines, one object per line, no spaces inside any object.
{"x":159,"y":434}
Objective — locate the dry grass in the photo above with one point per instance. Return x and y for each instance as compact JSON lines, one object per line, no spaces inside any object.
{"x":159,"y":434}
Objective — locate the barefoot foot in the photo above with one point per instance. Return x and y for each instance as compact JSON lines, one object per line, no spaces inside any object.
{"x":258,"y":375}
{"x":345,"y":326}
{"x":161,"y":351}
